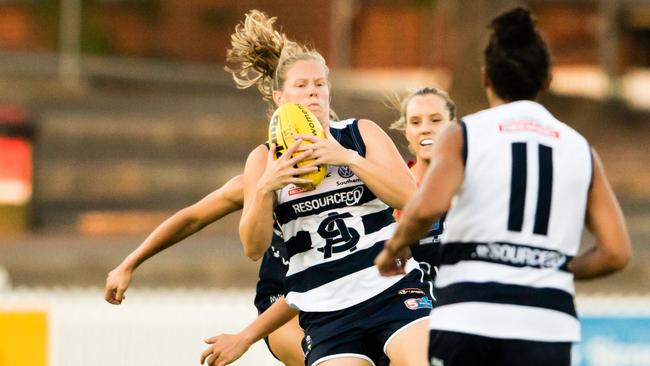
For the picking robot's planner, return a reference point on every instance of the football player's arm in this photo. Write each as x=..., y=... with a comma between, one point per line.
x=612, y=249
x=262, y=177
x=439, y=184
x=383, y=169
x=223, y=201
x=227, y=348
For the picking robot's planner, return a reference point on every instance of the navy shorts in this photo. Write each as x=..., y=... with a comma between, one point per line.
x=270, y=286
x=461, y=349
x=363, y=330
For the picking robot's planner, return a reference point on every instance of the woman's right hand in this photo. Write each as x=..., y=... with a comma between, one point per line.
x=284, y=171
x=117, y=282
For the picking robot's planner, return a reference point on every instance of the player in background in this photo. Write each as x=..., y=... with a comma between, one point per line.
x=523, y=185
x=422, y=114
x=351, y=316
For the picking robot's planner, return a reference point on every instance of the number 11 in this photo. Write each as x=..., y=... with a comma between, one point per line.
x=518, y=188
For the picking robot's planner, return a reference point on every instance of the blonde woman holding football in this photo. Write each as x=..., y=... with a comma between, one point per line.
x=350, y=314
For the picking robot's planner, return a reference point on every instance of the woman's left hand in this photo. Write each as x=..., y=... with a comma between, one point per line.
x=327, y=150
x=224, y=349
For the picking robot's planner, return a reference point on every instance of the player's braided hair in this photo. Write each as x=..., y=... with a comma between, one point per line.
x=516, y=57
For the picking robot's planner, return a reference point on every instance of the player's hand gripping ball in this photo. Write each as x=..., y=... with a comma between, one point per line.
x=292, y=119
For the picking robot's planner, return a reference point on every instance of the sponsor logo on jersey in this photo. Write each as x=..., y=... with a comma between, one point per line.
x=421, y=303
x=350, y=198
x=435, y=361
x=410, y=291
x=345, y=171
x=528, y=126
x=347, y=181
x=297, y=190
x=518, y=255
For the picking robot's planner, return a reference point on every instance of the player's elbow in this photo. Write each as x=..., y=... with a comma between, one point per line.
x=616, y=258
x=252, y=249
x=620, y=259
x=254, y=255
x=426, y=213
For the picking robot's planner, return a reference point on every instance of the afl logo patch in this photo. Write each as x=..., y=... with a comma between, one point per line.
x=421, y=303
x=345, y=172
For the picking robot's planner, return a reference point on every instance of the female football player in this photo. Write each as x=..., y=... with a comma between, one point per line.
x=350, y=314
x=523, y=185
x=422, y=114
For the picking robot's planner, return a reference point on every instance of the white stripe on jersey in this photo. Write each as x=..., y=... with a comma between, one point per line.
x=350, y=290
x=480, y=272
x=299, y=263
x=339, y=125
x=506, y=322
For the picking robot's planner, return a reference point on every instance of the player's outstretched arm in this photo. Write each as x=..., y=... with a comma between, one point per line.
x=227, y=348
x=223, y=201
x=604, y=218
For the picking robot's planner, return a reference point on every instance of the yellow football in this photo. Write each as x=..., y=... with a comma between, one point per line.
x=292, y=119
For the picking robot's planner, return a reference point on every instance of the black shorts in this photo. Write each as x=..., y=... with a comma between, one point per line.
x=364, y=330
x=270, y=286
x=461, y=349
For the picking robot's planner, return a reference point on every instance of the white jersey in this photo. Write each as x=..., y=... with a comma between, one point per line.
x=513, y=226
x=333, y=234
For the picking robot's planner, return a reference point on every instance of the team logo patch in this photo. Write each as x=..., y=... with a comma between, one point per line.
x=421, y=303
x=338, y=236
x=345, y=172
x=410, y=291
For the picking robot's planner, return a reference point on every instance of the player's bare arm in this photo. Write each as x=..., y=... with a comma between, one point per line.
x=262, y=177
x=612, y=250
x=442, y=180
x=223, y=201
x=227, y=348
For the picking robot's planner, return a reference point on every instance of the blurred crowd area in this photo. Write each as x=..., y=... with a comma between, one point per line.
x=131, y=117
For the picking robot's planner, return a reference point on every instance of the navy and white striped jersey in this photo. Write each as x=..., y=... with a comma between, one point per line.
x=333, y=234
x=513, y=226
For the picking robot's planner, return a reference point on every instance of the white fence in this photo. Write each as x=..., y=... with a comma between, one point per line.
x=167, y=327
x=161, y=327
